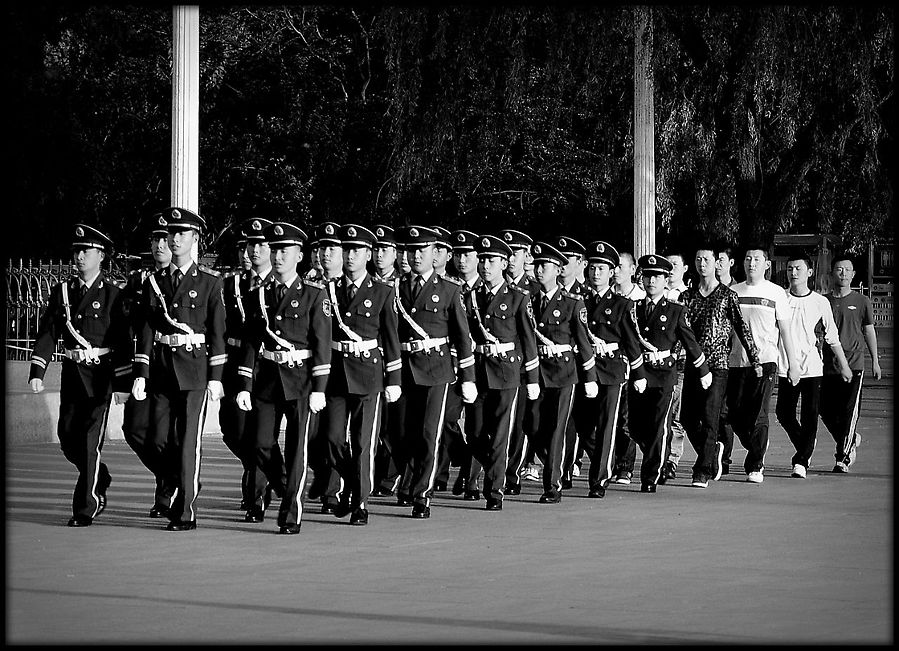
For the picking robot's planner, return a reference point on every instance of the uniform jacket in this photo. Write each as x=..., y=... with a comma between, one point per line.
x=527, y=283
x=99, y=318
x=610, y=317
x=504, y=315
x=371, y=314
x=238, y=290
x=302, y=318
x=438, y=310
x=666, y=326
x=562, y=322
x=199, y=304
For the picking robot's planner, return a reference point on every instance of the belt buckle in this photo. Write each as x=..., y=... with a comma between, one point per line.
x=416, y=346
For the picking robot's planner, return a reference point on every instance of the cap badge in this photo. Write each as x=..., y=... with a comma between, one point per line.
x=600, y=248
x=507, y=236
x=279, y=230
x=485, y=242
x=256, y=226
x=79, y=232
x=460, y=237
x=162, y=221
x=652, y=259
x=538, y=249
x=351, y=231
x=176, y=214
x=379, y=232
x=563, y=242
x=329, y=230
x=413, y=232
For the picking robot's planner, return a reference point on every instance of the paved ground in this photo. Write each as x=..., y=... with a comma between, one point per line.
x=787, y=561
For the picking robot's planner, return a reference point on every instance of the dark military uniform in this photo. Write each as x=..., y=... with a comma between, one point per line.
x=180, y=348
x=659, y=331
x=286, y=355
x=92, y=325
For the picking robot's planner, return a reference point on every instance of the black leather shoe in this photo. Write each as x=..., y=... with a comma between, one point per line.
x=359, y=517
x=566, y=484
x=494, y=505
x=80, y=521
x=669, y=471
x=648, y=488
x=460, y=485
x=472, y=496
x=342, y=509
x=290, y=530
x=402, y=500
x=421, y=512
x=182, y=525
x=159, y=512
x=552, y=497
x=328, y=509
x=597, y=492
x=513, y=489
x=381, y=492
x=439, y=486
x=315, y=491
x=255, y=514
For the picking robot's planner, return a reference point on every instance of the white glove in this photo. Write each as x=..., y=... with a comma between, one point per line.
x=591, y=389
x=120, y=397
x=139, y=388
x=640, y=385
x=243, y=400
x=316, y=401
x=469, y=392
x=37, y=385
x=706, y=381
x=533, y=391
x=215, y=389
x=393, y=392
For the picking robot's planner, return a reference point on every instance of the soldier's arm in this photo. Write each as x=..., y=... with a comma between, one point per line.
x=530, y=358
x=460, y=336
x=320, y=340
x=47, y=335
x=586, y=356
x=390, y=341
x=630, y=339
x=144, y=332
x=215, y=330
x=121, y=342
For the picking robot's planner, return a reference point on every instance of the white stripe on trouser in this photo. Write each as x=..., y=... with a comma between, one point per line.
x=513, y=409
x=561, y=459
x=103, y=424
x=373, y=445
x=433, y=472
x=851, y=434
x=197, y=452
x=298, y=497
x=663, y=454
x=349, y=443
x=611, y=458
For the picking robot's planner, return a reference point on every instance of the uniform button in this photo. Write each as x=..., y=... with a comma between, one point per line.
x=367, y=314
x=347, y=314
x=278, y=317
x=174, y=305
x=277, y=332
x=413, y=310
x=488, y=316
x=542, y=325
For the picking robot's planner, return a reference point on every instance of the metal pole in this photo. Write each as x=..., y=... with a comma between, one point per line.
x=644, y=136
x=186, y=108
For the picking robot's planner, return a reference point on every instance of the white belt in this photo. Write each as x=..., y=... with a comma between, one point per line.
x=91, y=356
x=495, y=349
x=231, y=341
x=354, y=347
x=423, y=345
x=656, y=357
x=605, y=350
x=289, y=357
x=553, y=350
x=180, y=340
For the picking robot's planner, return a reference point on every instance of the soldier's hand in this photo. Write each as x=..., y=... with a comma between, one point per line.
x=875, y=366
x=793, y=375
x=243, y=400
x=37, y=384
x=533, y=391
x=120, y=397
x=316, y=401
x=706, y=381
x=591, y=389
x=393, y=393
x=139, y=388
x=469, y=392
x=215, y=389
x=640, y=385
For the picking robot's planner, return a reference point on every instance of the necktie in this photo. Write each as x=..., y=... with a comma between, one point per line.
x=282, y=290
x=543, y=301
x=79, y=293
x=416, y=287
x=649, y=307
x=350, y=291
x=176, y=279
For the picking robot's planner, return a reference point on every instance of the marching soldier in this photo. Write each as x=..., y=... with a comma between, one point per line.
x=365, y=363
x=443, y=249
x=431, y=319
x=660, y=324
x=181, y=348
x=86, y=312
x=566, y=357
x=150, y=449
x=288, y=343
x=619, y=360
x=384, y=253
x=255, y=493
x=504, y=346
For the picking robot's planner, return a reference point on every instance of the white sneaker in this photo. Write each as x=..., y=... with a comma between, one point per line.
x=700, y=483
x=576, y=470
x=841, y=467
x=531, y=473
x=756, y=477
x=623, y=478
x=719, y=455
x=798, y=471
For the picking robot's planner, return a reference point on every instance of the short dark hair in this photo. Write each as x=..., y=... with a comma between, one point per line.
x=755, y=246
x=841, y=258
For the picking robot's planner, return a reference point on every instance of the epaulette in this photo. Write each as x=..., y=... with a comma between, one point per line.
x=207, y=270
x=388, y=281
x=453, y=280
x=520, y=290
x=573, y=295
x=313, y=283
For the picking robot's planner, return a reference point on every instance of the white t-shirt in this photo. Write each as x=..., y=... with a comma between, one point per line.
x=763, y=305
x=811, y=317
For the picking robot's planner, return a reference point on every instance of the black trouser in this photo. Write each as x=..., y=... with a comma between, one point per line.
x=136, y=430
x=650, y=414
x=600, y=444
x=81, y=430
x=325, y=478
x=580, y=430
x=520, y=444
x=840, y=405
x=452, y=442
x=748, y=401
x=236, y=435
x=353, y=422
x=493, y=415
x=183, y=413
x=553, y=419
x=803, y=432
x=390, y=441
x=700, y=411
x=625, y=448
x=287, y=477
x=422, y=428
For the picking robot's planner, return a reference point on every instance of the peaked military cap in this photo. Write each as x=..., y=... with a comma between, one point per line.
x=463, y=241
x=180, y=219
x=283, y=234
x=353, y=236
x=86, y=237
x=253, y=229
x=654, y=264
x=443, y=237
x=325, y=234
x=415, y=236
x=600, y=251
x=570, y=246
x=385, y=236
x=489, y=245
x=546, y=252
x=516, y=239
